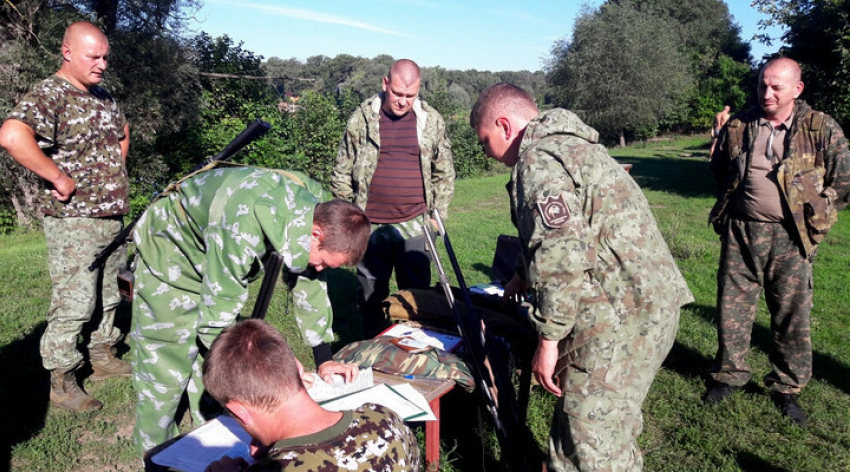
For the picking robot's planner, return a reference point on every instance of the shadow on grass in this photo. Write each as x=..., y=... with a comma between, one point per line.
x=825, y=367
x=25, y=384
x=482, y=268
x=749, y=462
x=24, y=387
x=686, y=177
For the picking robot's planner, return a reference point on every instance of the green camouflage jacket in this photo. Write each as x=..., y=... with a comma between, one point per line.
x=212, y=235
x=369, y=439
x=357, y=156
x=82, y=132
x=815, y=170
x=579, y=214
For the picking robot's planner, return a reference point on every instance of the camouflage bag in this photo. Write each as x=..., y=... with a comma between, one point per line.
x=381, y=354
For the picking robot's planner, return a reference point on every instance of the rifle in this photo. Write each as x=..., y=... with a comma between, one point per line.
x=264, y=297
x=253, y=131
x=489, y=366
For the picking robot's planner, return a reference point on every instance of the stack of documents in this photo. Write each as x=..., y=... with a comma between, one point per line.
x=408, y=404
x=422, y=336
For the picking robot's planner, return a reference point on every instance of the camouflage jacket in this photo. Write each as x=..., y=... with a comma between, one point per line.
x=357, y=155
x=814, y=172
x=370, y=438
x=580, y=215
x=212, y=237
x=81, y=131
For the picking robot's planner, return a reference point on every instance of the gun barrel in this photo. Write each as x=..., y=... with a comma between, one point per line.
x=489, y=369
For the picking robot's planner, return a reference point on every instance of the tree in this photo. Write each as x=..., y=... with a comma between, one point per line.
x=706, y=35
x=818, y=37
x=722, y=85
x=622, y=71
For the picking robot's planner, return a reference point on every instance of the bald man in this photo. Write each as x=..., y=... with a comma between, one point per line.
x=782, y=172
x=71, y=133
x=394, y=162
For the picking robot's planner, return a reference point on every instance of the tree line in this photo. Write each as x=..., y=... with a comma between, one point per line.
x=630, y=68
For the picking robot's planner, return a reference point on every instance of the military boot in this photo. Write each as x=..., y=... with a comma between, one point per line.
x=104, y=363
x=65, y=392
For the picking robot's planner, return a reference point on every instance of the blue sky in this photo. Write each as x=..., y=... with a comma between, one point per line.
x=492, y=35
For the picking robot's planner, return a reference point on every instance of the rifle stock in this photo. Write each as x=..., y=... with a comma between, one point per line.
x=489, y=366
x=253, y=131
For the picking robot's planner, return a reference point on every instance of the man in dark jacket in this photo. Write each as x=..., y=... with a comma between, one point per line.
x=782, y=172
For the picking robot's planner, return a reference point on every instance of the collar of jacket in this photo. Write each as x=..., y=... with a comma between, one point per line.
x=418, y=111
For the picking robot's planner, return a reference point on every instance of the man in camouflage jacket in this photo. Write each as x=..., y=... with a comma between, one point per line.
x=251, y=370
x=782, y=172
x=199, y=247
x=415, y=176
x=605, y=288
x=70, y=132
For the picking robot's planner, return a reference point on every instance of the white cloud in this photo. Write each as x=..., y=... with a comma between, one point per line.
x=311, y=15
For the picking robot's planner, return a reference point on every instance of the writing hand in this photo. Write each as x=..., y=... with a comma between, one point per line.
x=348, y=371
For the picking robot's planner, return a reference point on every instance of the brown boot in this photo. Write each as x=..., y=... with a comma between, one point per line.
x=65, y=392
x=104, y=363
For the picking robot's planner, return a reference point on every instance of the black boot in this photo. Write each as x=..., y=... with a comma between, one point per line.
x=787, y=404
x=720, y=392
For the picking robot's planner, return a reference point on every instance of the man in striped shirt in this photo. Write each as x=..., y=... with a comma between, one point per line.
x=394, y=162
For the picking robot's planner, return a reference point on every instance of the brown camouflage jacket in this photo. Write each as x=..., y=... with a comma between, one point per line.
x=81, y=131
x=357, y=155
x=814, y=172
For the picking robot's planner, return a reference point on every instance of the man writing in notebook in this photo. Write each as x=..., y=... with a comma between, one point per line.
x=251, y=371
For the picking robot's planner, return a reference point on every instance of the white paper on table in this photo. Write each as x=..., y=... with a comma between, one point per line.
x=403, y=399
x=208, y=443
x=446, y=342
x=321, y=390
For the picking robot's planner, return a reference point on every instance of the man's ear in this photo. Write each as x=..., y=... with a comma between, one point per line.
x=798, y=89
x=238, y=410
x=317, y=233
x=504, y=125
x=66, y=52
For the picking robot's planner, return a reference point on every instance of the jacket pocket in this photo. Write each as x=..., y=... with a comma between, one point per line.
x=819, y=209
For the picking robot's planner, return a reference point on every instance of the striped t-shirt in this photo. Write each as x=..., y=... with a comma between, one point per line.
x=397, y=191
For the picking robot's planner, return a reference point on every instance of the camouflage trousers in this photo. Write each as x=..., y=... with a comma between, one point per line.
x=598, y=418
x=758, y=256
x=400, y=247
x=165, y=356
x=72, y=244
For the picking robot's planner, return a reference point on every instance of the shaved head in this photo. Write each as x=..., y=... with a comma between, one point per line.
x=502, y=100
x=81, y=30
x=786, y=66
x=405, y=70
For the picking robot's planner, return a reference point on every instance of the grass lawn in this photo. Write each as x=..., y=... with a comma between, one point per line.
x=745, y=433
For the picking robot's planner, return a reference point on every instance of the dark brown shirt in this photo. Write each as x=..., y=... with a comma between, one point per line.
x=397, y=191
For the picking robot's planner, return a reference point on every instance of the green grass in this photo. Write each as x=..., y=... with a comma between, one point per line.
x=745, y=433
